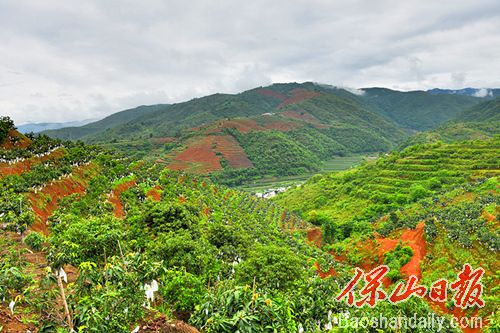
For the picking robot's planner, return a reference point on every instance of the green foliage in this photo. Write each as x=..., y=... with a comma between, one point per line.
x=108, y=299
x=171, y=217
x=397, y=258
x=229, y=308
x=13, y=276
x=34, y=240
x=182, y=250
x=418, y=110
x=274, y=153
x=271, y=267
x=6, y=125
x=182, y=290
x=79, y=240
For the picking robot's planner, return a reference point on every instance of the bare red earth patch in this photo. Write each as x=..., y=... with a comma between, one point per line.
x=163, y=140
x=15, y=140
x=115, y=197
x=44, y=202
x=231, y=151
x=21, y=167
x=299, y=95
x=241, y=125
x=271, y=93
x=153, y=193
x=198, y=157
x=315, y=236
x=412, y=238
x=203, y=155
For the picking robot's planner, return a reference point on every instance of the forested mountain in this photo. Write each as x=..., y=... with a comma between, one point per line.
x=486, y=93
x=417, y=110
x=279, y=130
x=284, y=129
x=481, y=121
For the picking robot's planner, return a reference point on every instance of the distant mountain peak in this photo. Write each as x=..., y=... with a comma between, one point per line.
x=474, y=92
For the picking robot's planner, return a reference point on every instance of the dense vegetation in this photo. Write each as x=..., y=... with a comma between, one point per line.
x=6, y=125
x=451, y=188
x=101, y=242
x=304, y=124
x=223, y=260
x=417, y=110
x=482, y=121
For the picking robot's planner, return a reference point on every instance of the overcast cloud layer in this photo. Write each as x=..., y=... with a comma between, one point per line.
x=74, y=60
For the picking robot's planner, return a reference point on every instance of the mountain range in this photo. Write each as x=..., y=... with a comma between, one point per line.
x=278, y=130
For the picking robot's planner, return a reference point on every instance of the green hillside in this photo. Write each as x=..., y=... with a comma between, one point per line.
x=103, y=125
x=488, y=111
x=417, y=110
x=124, y=231
x=479, y=122
x=283, y=129
x=395, y=180
x=441, y=200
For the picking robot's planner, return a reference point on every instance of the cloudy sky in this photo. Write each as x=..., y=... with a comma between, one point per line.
x=73, y=60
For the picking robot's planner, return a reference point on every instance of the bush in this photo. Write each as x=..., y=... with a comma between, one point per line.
x=229, y=308
x=182, y=290
x=271, y=266
x=396, y=259
x=170, y=217
x=34, y=240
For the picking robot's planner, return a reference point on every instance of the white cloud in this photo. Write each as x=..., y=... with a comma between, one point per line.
x=483, y=92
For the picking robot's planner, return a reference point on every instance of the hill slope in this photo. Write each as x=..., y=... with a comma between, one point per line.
x=440, y=200
x=481, y=121
x=284, y=129
x=112, y=121
x=417, y=110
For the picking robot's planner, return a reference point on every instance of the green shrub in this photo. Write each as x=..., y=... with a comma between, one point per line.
x=229, y=308
x=182, y=290
x=396, y=259
x=272, y=267
x=34, y=240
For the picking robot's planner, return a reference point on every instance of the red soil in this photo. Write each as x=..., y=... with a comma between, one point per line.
x=45, y=201
x=160, y=324
x=247, y=125
x=26, y=165
x=204, y=154
x=315, y=236
x=457, y=313
x=271, y=93
x=299, y=95
x=323, y=275
x=153, y=193
x=304, y=116
x=115, y=197
x=241, y=125
x=198, y=157
x=231, y=151
x=412, y=238
x=280, y=125
x=10, y=142
x=490, y=218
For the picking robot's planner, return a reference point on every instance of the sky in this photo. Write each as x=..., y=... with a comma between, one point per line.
x=65, y=60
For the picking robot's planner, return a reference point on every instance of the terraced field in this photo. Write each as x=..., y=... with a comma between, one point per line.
x=205, y=154
x=397, y=179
